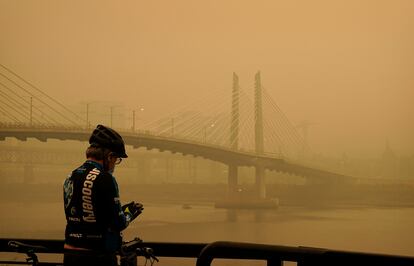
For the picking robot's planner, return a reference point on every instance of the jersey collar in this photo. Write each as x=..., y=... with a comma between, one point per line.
x=96, y=164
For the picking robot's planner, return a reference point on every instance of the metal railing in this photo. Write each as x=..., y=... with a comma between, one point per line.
x=274, y=255
x=304, y=256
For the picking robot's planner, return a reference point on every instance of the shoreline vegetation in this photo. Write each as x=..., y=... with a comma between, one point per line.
x=312, y=196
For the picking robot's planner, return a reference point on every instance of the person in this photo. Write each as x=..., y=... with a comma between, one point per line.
x=94, y=215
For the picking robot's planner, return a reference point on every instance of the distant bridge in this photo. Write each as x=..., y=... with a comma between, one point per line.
x=175, y=145
x=234, y=136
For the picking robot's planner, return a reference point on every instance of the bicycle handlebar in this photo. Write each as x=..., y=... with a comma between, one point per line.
x=136, y=248
x=25, y=248
x=28, y=249
x=129, y=251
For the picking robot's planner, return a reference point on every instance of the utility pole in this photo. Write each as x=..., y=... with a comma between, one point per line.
x=172, y=127
x=87, y=115
x=31, y=111
x=133, y=120
x=112, y=111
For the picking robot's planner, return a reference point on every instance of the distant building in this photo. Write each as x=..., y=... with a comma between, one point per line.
x=388, y=163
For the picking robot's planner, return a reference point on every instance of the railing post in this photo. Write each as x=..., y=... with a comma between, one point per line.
x=274, y=262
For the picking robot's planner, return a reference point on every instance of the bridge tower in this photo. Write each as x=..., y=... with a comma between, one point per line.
x=259, y=143
x=234, y=135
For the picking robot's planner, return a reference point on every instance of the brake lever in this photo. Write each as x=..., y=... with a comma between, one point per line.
x=148, y=253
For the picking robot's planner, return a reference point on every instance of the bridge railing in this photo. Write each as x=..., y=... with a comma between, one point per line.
x=21, y=125
x=123, y=131
x=204, y=253
x=152, y=134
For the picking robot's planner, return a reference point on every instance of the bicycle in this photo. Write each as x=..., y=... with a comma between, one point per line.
x=29, y=250
x=132, y=249
x=128, y=253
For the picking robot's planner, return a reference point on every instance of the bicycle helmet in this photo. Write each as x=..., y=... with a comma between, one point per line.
x=108, y=138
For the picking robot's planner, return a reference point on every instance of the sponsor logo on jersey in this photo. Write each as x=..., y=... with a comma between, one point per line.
x=87, y=207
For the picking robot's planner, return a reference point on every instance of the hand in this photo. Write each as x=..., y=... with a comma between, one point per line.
x=132, y=210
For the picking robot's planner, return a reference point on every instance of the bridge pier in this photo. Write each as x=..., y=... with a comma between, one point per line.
x=168, y=169
x=192, y=169
x=144, y=169
x=232, y=181
x=260, y=182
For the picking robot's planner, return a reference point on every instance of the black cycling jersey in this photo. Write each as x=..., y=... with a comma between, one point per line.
x=93, y=211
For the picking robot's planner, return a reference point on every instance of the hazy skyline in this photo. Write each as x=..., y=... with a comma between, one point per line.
x=344, y=65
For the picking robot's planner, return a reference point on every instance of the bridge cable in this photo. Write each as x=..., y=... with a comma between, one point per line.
x=216, y=118
x=201, y=128
x=277, y=128
x=285, y=144
x=244, y=136
x=212, y=109
x=185, y=108
x=14, y=104
x=40, y=100
x=277, y=123
x=34, y=107
x=186, y=126
x=190, y=130
x=276, y=140
x=26, y=101
x=224, y=137
x=247, y=117
x=19, y=106
x=11, y=99
x=36, y=88
x=221, y=132
x=46, y=116
x=192, y=123
x=14, y=109
x=288, y=127
x=5, y=112
x=297, y=137
x=271, y=138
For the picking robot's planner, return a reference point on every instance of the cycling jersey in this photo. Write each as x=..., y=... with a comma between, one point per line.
x=93, y=211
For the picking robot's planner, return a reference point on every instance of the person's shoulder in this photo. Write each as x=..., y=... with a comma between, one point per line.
x=103, y=175
x=106, y=178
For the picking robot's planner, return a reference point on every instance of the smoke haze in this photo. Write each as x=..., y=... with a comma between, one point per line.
x=344, y=65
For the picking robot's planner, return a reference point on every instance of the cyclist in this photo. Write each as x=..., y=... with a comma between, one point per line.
x=94, y=215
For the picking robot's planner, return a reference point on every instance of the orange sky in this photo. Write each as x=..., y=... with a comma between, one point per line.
x=345, y=65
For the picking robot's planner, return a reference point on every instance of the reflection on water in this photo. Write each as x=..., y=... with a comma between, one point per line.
x=362, y=229
x=257, y=215
x=385, y=230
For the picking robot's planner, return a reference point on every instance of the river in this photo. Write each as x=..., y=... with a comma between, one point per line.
x=367, y=229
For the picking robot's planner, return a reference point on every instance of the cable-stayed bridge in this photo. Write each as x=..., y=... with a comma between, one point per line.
x=237, y=127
